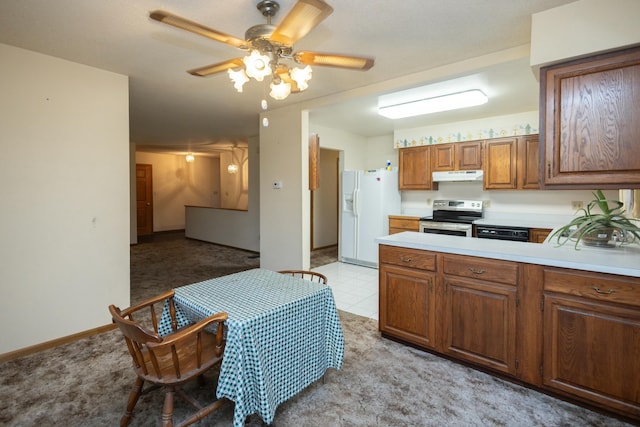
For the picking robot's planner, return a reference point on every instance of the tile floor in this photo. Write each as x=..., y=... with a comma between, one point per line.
x=355, y=288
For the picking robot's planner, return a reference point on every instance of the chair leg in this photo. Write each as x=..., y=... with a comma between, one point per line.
x=131, y=403
x=167, y=409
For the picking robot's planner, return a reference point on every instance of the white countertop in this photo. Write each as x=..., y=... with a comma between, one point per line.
x=622, y=260
x=510, y=219
x=524, y=220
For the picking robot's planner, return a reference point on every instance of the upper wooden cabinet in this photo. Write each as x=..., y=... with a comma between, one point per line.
x=511, y=163
x=528, y=162
x=457, y=156
x=590, y=122
x=415, y=169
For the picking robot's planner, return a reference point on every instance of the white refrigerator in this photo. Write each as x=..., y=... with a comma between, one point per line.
x=368, y=198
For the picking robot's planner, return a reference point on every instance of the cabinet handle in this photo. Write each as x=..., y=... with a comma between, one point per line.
x=600, y=291
x=403, y=259
x=548, y=169
x=476, y=271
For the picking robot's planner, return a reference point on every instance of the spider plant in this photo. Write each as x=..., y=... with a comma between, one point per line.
x=594, y=225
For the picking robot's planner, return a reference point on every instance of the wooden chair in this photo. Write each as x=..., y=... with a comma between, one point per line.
x=306, y=275
x=168, y=361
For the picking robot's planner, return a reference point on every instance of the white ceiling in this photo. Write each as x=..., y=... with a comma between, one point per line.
x=174, y=110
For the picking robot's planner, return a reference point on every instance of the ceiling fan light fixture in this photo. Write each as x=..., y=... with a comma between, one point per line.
x=301, y=76
x=453, y=101
x=239, y=78
x=279, y=91
x=257, y=65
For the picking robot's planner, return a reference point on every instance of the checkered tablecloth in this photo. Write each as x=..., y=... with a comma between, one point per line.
x=283, y=333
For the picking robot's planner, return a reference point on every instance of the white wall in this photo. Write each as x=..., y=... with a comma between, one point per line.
x=177, y=183
x=285, y=213
x=354, y=147
x=234, y=187
x=379, y=150
x=239, y=229
x=583, y=28
x=133, y=218
x=64, y=186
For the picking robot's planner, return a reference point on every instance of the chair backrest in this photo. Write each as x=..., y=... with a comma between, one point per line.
x=306, y=275
x=173, y=358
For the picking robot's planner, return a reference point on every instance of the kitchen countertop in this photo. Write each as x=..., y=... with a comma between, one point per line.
x=511, y=219
x=525, y=220
x=623, y=260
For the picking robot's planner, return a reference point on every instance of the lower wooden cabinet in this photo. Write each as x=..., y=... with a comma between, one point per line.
x=569, y=332
x=407, y=305
x=538, y=235
x=398, y=224
x=480, y=311
x=480, y=323
x=592, y=338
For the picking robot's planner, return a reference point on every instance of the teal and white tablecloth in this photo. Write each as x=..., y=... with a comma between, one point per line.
x=283, y=333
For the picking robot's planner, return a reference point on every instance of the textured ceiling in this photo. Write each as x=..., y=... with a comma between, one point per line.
x=173, y=109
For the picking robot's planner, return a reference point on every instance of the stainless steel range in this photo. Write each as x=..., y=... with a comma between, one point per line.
x=452, y=217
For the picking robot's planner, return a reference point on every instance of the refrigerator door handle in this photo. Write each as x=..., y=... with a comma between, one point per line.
x=356, y=200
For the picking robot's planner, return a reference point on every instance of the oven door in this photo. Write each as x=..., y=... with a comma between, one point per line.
x=449, y=228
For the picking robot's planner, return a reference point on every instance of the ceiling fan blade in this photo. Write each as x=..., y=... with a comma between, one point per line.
x=194, y=27
x=301, y=19
x=216, y=68
x=332, y=60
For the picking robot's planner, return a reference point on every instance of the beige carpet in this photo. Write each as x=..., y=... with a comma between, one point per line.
x=382, y=383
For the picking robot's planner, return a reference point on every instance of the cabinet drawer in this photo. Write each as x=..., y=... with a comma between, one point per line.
x=407, y=257
x=481, y=268
x=598, y=286
x=407, y=224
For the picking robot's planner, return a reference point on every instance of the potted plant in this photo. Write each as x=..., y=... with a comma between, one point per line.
x=595, y=228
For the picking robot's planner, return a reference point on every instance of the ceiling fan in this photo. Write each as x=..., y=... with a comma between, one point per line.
x=270, y=44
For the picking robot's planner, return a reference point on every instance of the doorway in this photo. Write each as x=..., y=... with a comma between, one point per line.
x=144, y=199
x=324, y=204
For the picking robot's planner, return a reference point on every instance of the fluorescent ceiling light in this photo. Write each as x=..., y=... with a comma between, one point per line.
x=452, y=101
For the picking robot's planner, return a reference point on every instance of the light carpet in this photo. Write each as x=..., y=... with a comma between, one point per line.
x=382, y=383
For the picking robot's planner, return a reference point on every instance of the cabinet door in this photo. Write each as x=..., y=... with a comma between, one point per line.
x=407, y=305
x=480, y=323
x=400, y=224
x=528, y=162
x=415, y=169
x=443, y=157
x=469, y=155
x=590, y=119
x=592, y=350
x=500, y=159
x=457, y=156
x=538, y=235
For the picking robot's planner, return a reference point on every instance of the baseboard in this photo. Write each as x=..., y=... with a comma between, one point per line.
x=27, y=351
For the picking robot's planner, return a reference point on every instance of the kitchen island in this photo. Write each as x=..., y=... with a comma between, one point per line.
x=562, y=320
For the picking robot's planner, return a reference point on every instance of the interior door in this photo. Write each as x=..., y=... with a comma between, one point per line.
x=144, y=199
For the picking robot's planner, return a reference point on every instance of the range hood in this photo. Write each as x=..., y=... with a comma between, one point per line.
x=458, y=176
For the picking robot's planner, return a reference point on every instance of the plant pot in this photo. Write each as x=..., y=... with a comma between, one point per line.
x=600, y=237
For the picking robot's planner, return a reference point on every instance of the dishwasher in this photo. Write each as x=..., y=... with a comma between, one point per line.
x=496, y=232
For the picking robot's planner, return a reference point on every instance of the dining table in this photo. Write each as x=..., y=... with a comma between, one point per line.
x=282, y=334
